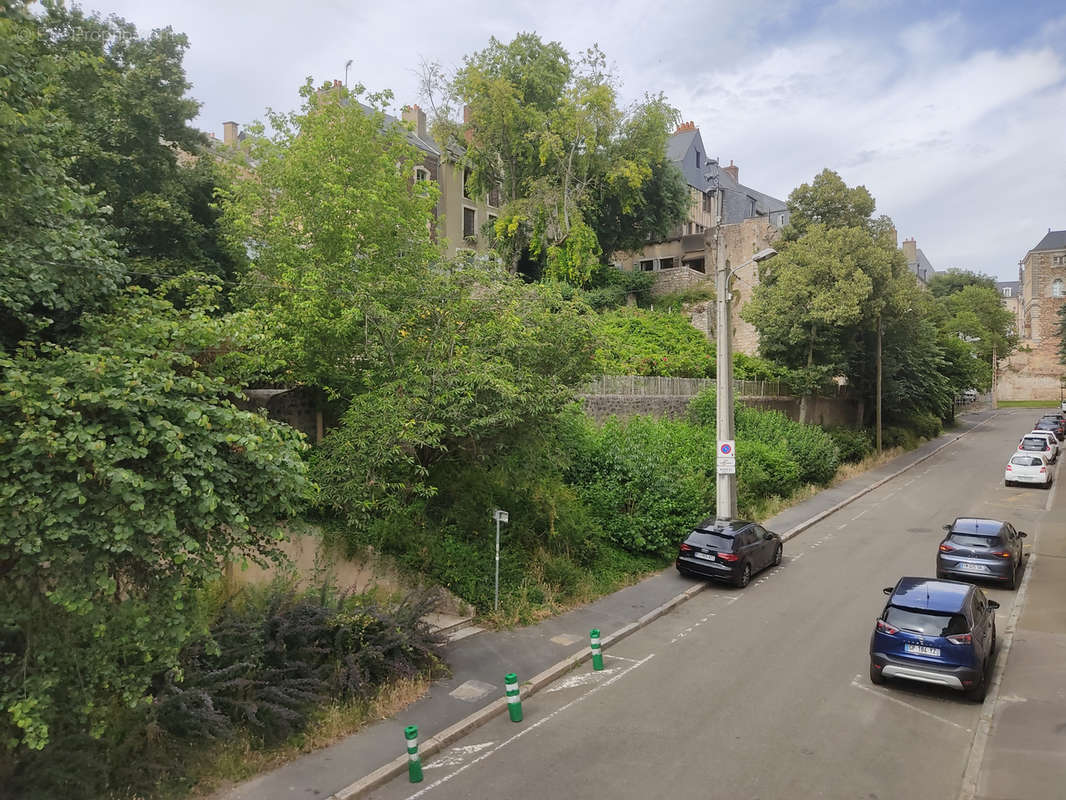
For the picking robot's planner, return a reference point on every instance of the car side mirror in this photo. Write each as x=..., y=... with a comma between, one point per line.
x=768, y=535
x=947, y=527
x=888, y=589
x=1022, y=534
x=993, y=604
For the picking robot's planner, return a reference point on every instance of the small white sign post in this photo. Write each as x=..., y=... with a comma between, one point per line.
x=727, y=457
x=499, y=516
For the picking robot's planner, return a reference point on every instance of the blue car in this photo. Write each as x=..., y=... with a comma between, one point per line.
x=935, y=631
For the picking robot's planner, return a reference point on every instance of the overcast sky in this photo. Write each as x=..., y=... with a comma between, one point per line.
x=952, y=114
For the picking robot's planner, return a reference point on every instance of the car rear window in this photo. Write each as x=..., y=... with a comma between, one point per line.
x=928, y=623
x=1035, y=444
x=1026, y=461
x=712, y=539
x=967, y=540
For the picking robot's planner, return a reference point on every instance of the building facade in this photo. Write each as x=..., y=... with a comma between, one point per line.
x=917, y=262
x=688, y=257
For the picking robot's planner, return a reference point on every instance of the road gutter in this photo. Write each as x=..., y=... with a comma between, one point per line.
x=434, y=744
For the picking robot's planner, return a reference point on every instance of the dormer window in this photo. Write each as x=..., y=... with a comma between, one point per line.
x=697, y=159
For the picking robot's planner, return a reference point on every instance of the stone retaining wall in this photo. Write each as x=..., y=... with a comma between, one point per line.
x=825, y=411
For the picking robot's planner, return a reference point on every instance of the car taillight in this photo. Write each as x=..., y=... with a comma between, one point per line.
x=947, y=548
x=884, y=627
x=1043, y=469
x=1009, y=469
x=728, y=556
x=686, y=548
x=1002, y=554
x=961, y=638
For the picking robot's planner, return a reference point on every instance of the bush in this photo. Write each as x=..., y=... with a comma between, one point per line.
x=853, y=445
x=764, y=471
x=924, y=424
x=897, y=436
x=810, y=447
x=637, y=342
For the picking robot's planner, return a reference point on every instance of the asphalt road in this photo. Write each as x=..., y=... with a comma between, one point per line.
x=764, y=692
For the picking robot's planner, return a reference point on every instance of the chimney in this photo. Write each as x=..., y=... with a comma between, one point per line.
x=229, y=132
x=910, y=250
x=733, y=170
x=417, y=117
x=685, y=126
x=336, y=83
x=467, y=116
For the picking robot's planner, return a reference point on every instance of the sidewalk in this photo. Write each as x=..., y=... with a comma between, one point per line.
x=480, y=662
x=1025, y=755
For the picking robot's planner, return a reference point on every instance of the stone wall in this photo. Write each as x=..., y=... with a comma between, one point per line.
x=1033, y=373
x=826, y=411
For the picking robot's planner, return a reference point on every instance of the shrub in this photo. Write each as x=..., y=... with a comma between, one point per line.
x=764, y=471
x=637, y=342
x=924, y=424
x=810, y=447
x=853, y=445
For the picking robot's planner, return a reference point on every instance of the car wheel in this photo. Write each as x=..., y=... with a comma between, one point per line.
x=1006, y=483
x=876, y=678
x=992, y=649
x=1012, y=582
x=684, y=573
x=745, y=576
x=978, y=692
x=777, y=555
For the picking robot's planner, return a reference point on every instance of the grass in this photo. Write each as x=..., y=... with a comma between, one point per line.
x=218, y=768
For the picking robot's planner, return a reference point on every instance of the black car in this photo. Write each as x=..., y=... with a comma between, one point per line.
x=986, y=549
x=728, y=551
x=1056, y=426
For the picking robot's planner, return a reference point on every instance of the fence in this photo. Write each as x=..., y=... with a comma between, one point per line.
x=650, y=386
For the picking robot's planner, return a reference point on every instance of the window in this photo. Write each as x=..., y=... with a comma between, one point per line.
x=466, y=182
x=1056, y=287
x=1058, y=259
x=421, y=174
x=694, y=263
x=697, y=159
x=1006, y=291
x=666, y=263
x=707, y=202
x=494, y=195
x=647, y=265
x=469, y=223
x=930, y=623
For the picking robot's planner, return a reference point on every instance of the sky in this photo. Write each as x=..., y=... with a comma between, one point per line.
x=952, y=113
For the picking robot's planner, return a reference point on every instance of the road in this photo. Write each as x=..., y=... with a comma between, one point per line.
x=764, y=692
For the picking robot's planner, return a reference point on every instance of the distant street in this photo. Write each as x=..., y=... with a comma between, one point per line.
x=764, y=692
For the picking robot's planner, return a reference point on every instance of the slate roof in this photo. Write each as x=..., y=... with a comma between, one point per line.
x=1014, y=286
x=921, y=267
x=740, y=202
x=1055, y=240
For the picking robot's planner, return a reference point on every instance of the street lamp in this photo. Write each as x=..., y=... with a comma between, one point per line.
x=726, y=480
x=499, y=516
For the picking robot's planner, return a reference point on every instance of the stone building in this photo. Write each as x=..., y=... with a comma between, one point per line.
x=917, y=262
x=1010, y=294
x=1034, y=372
x=687, y=258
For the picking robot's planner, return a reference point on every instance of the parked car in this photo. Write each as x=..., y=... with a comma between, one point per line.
x=730, y=551
x=1052, y=440
x=1055, y=416
x=1053, y=425
x=1028, y=468
x=987, y=549
x=969, y=396
x=1036, y=444
x=938, y=632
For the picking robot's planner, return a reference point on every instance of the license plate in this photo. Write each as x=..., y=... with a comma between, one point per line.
x=921, y=649
x=705, y=556
x=973, y=567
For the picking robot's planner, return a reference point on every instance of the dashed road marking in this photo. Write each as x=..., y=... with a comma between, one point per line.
x=859, y=514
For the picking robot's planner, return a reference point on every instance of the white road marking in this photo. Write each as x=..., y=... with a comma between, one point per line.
x=908, y=483
x=457, y=755
x=859, y=514
x=842, y=527
x=578, y=679
x=732, y=600
x=798, y=556
x=620, y=658
x=897, y=701
x=533, y=727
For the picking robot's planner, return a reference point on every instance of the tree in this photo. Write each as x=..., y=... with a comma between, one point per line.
x=578, y=175
x=130, y=139
x=955, y=280
x=56, y=260
x=976, y=313
x=828, y=201
x=127, y=481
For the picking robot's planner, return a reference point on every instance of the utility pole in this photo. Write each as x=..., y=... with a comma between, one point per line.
x=880, y=332
x=995, y=369
x=726, y=480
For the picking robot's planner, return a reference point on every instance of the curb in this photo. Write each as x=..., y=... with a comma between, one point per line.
x=434, y=744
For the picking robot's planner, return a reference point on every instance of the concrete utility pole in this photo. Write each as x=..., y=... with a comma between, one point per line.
x=995, y=369
x=726, y=478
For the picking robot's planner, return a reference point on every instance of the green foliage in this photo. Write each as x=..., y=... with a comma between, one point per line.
x=128, y=480
x=812, y=449
x=55, y=258
x=954, y=280
x=579, y=177
x=976, y=314
x=852, y=445
x=610, y=288
x=764, y=471
x=638, y=342
x=829, y=202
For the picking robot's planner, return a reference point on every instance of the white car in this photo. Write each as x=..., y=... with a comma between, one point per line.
x=1036, y=444
x=1028, y=468
x=1050, y=438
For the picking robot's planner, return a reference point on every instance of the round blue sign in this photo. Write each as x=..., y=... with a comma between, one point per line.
x=726, y=449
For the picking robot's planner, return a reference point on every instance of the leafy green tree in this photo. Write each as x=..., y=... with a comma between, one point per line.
x=127, y=481
x=130, y=139
x=56, y=260
x=976, y=313
x=830, y=202
x=578, y=175
x=955, y=280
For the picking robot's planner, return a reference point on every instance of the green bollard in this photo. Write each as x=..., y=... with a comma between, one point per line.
x=514, y=701
x=597, y=656
x=414, y=763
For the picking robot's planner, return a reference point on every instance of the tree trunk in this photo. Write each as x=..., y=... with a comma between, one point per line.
x=805, y=400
